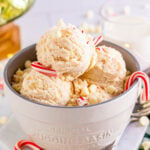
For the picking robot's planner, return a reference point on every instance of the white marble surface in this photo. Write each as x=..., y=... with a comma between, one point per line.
x=44, y=14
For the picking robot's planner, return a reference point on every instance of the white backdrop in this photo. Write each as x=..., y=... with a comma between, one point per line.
x=45, y=13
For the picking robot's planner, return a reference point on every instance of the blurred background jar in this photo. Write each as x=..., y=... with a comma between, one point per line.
x=9, y=40
x=127, y=23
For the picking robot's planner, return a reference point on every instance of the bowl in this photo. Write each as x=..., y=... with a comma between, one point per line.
x=92, y=127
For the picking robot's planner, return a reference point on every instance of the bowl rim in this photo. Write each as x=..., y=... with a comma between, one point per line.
x=74, y=107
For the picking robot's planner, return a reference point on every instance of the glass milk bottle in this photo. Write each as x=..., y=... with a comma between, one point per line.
x=127, y=23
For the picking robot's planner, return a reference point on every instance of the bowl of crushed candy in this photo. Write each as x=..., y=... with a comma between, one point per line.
x=90, y=127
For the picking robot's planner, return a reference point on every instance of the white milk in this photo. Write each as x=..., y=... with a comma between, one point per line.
x=130, y=32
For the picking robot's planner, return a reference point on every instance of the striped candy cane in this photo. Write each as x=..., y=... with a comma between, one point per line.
x=145, y=79
x=98, y=40
x=24, y=143
x=82, y=101
x=40, y=68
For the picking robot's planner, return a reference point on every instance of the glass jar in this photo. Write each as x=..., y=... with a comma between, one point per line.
x=9, y=32
x=9, y=40
x=127, y=23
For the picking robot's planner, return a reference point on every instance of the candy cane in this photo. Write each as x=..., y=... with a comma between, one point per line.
x=98, y=40
x=40, y=68
x=82, y=101
x=100, y=49
x=19, y=145
x=144, y=77
x=134, y=75
x=1, y=84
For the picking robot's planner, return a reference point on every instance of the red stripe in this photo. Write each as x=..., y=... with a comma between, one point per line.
x=23, y=143
x=97, y=39
x=37, y=65
x=48, y=74
x=41, y=67
x=100, y=49
x=127, y=84
x=103, y=49
x=37, y=62
x=82, y=101
x=19, y=143
x=31, y=143
x=1, y=84
x=81, y=98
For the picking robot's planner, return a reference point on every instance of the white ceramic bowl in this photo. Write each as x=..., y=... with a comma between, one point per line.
x=91, y=127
